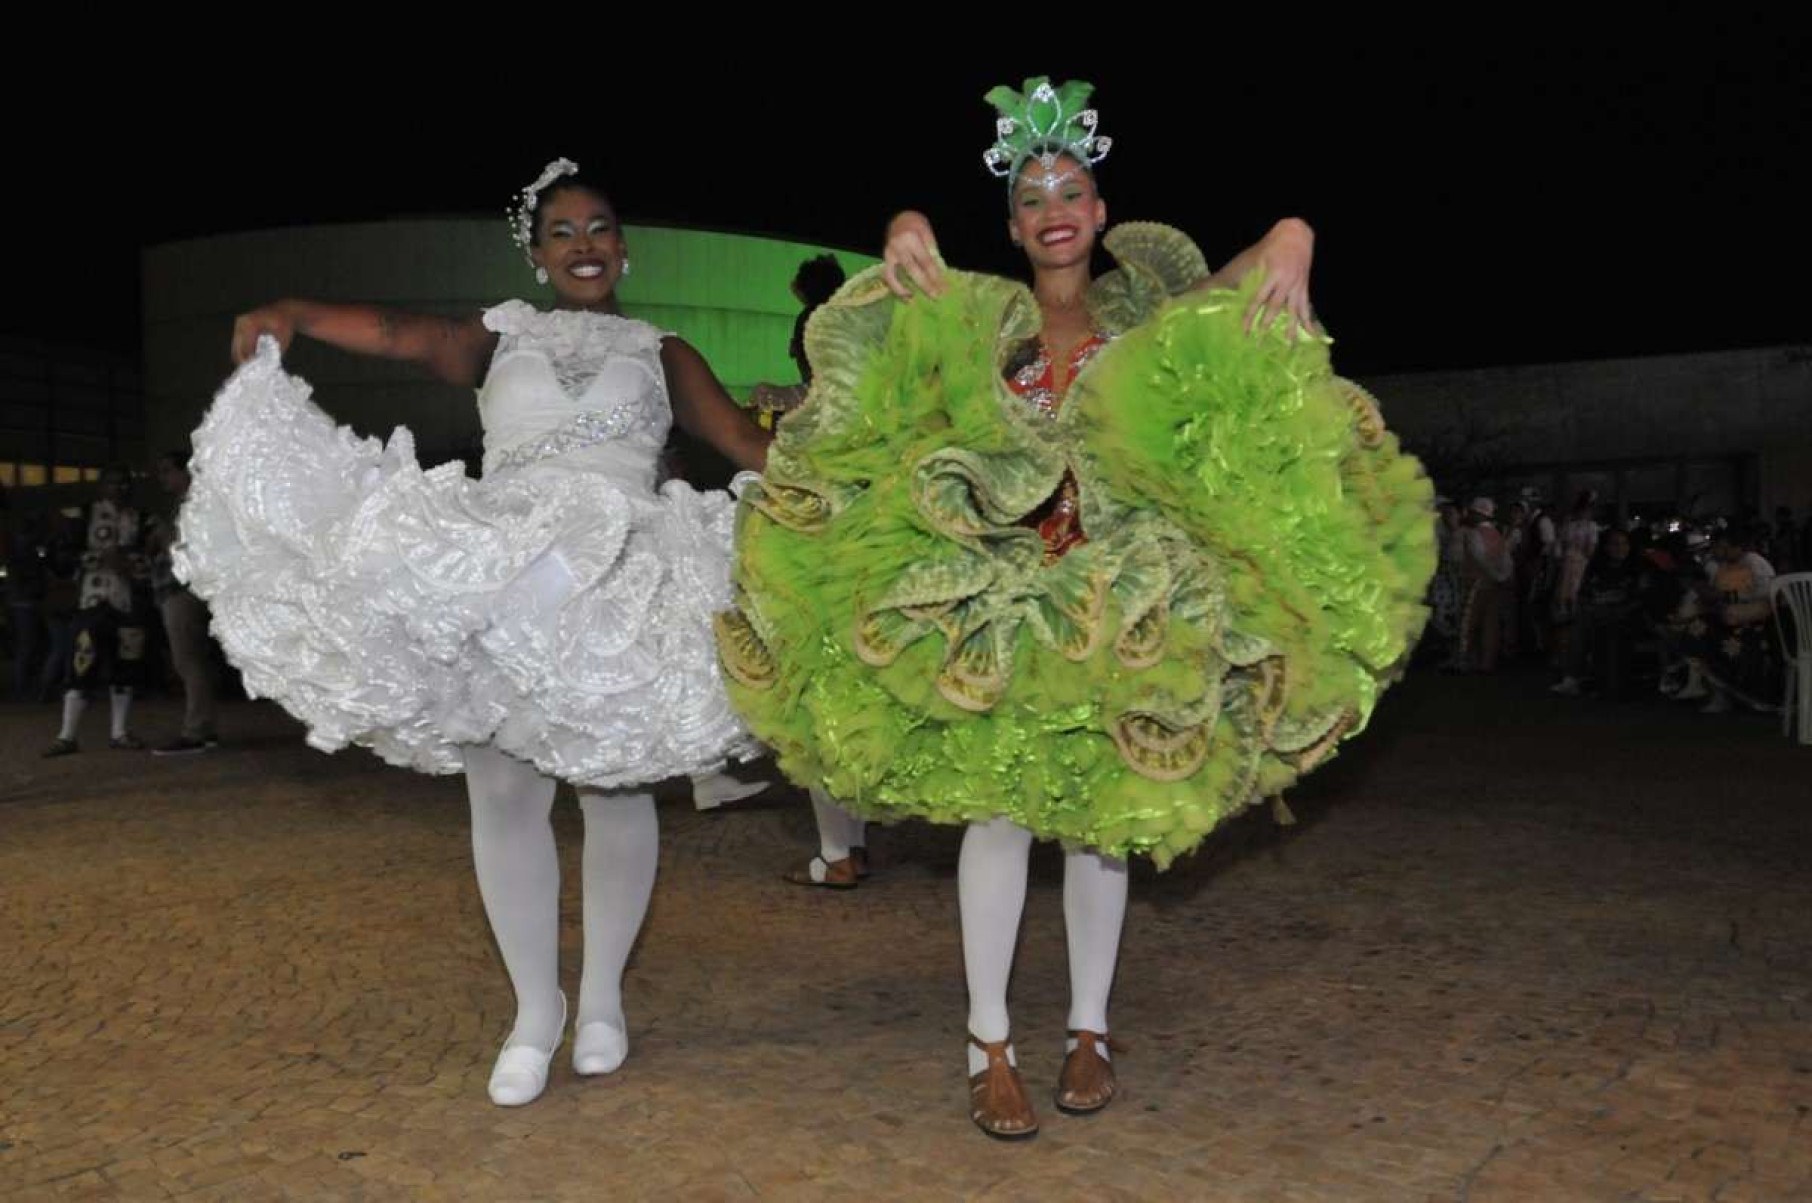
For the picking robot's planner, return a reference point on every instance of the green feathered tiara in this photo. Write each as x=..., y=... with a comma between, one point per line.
x=1042, y=123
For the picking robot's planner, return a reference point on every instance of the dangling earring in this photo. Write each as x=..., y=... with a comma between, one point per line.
x=625, y=265
x=1101, y=227
x=541, y=275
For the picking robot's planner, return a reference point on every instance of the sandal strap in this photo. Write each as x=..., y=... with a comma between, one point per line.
x=995, y=1050
x=1082, y=1036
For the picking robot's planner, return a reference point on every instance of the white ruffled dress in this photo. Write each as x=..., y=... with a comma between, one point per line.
x=559, y=609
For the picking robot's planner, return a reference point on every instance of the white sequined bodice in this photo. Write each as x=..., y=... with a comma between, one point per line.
x=567, y=381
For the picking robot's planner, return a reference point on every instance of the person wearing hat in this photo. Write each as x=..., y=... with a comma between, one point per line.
x=1487, y=571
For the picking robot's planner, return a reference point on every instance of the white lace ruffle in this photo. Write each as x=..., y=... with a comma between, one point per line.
x=579, y=342
x=556, y=612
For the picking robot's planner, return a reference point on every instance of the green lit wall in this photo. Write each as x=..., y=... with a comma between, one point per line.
x=727, y=294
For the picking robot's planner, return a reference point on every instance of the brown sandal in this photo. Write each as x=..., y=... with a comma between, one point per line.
x=1087, y=1083
x=837, y=874
x=997, y=1096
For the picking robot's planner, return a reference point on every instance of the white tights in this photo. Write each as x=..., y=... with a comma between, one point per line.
x=991, y=892
x=519, y=879
x=838, y=830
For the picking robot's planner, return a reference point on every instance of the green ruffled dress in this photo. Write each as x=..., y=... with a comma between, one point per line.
x=1258, y=548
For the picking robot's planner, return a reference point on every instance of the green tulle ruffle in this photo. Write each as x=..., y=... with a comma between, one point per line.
x=1258, y=548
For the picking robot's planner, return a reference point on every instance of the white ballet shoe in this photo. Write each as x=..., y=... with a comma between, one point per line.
x=520, y=1074
x=715, y=789
x=599, y=1048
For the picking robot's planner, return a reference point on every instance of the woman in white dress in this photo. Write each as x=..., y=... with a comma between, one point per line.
x=548, y=623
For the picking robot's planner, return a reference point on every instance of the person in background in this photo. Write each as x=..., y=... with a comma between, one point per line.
x=1539, y=570
x=185, y=624
x=1488, y=572
x=1447, y=592
x=1731, y=651
x=108, y=645
x=1609, y=612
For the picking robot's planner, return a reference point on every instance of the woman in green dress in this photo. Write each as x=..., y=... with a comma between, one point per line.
x=1105, y=560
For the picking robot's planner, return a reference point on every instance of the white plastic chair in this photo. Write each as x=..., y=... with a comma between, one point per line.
x=1794, y=592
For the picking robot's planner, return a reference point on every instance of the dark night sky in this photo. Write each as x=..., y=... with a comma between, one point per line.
x=1495, y=200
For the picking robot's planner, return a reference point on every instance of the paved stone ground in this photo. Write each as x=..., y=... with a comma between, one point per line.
x=1516, y=949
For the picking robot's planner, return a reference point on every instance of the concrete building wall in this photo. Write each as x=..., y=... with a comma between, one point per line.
x=1711, y=422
